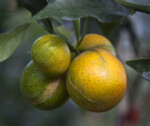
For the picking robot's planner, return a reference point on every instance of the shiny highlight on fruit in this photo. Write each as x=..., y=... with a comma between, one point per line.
x=51, y=54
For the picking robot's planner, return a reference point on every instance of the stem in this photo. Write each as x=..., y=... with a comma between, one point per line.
x=77, y=29
x=85, y=29
x=136, y=7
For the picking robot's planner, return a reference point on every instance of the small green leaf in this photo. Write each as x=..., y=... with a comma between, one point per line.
x=10, y=41
x=142, y=66
x=103, y=10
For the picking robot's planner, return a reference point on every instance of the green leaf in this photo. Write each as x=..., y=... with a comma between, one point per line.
x=10, y=41
x=77, y=29
x=103, y=10
x=34, y=6
x=142, y=66
x=64, y=37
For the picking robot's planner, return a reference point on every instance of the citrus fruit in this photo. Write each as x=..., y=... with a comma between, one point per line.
x=96, y=80
x=96, y=41
x=51, y=54
x=42, y=91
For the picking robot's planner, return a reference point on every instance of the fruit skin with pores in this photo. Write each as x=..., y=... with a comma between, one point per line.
x=42, y=91
x=91, y=41
x=51, y=54
x=96, y=80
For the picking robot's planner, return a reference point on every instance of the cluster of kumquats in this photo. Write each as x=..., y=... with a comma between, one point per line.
x=94, y=79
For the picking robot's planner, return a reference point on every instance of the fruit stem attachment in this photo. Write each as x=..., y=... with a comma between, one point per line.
x=136, y=7
x=85, y=29
x=75, y=51
x=77, y=29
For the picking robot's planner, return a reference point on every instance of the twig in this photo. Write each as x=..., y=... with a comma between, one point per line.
x=136, y=7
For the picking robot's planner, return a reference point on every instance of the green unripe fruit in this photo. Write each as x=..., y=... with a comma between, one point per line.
x=42, y=91
x=34, y=6
x=51, y=54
